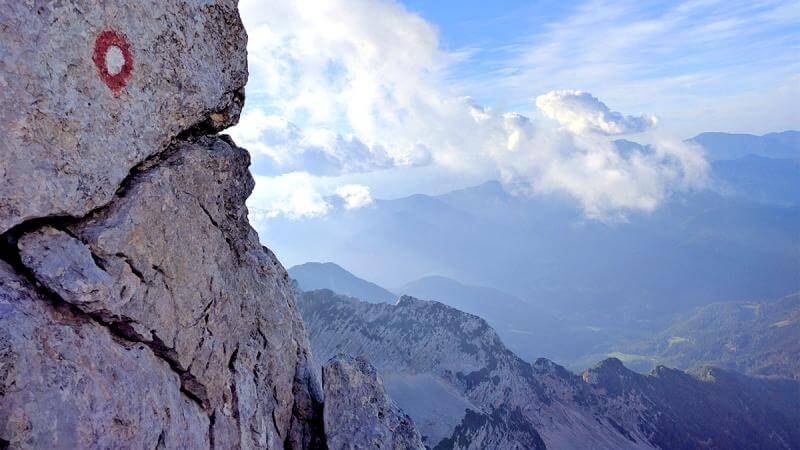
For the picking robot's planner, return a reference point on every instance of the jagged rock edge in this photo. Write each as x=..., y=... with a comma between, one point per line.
x=119, y=329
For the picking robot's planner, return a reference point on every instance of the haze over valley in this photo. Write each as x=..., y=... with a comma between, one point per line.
x=541, y=273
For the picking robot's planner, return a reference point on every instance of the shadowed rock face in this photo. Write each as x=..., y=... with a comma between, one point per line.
x=512, y=404
x=137, y=307
x=69, y=140
x=358, y=413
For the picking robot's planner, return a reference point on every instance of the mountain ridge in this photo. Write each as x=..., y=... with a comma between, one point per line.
x=721, y=145
x=751, y=337
x=608, y=405
x=328, y=275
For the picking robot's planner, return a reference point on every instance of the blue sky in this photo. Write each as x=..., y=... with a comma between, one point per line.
x=743, y=54
x=470, y=23
x=376, y=98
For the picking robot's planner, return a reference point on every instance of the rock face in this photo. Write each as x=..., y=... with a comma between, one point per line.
x=172, y=263
x=137, y=307
x=67, y=381
x=71, y=131
x=358, y=413
x=172, y=269
x=431, y=355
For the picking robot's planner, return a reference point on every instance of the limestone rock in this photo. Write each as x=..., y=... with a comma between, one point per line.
x=173, y=263
x=139, y=309
x=66, y=266
x=358, y=413
x=500, y=428
x=67, y=382
x=71, y=130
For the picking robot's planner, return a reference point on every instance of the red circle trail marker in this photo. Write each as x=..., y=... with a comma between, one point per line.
x=113, y=60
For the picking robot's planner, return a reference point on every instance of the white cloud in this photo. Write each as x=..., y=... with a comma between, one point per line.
x=349, y=66
x=591, y=169
x=347, y=86
x=580, y=112
x=292, y=195
x=700, y=65
x=279, y=146
x=354, y=195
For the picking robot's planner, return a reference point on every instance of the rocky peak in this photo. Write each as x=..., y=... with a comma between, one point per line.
x=501, y=401
x=407, y=300
x=610, y=375
x=358, y=412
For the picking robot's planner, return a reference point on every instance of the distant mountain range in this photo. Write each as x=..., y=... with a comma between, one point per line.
x=722, y=146
x=525, y=328
x=451, y=373
x=759, y=179
x=763, y=169
x=311, y=276
x=737, y=240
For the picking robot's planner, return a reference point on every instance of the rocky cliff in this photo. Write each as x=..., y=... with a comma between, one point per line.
x=359, y=413
x=137, y=307
x=464, y=389
x=170, y=267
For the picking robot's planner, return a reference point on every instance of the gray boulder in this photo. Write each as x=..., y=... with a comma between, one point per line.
x=358, y=413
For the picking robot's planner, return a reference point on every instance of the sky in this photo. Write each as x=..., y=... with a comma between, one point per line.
x=352, y=100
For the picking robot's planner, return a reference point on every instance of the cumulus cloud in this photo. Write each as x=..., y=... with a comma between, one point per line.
x=581, y=112
x=353, y=67
x=604, y=178
x=354, y=195
x=299, y=195
x=354, y=86
x=292, y=195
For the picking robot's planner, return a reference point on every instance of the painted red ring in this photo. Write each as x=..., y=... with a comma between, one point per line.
x=105, y=40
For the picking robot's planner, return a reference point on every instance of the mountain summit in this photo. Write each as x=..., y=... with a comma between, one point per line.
x=311, y=276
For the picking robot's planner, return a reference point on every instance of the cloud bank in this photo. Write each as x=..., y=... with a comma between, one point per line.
x=292, y=195
x=342, y=87
x=279, y=146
